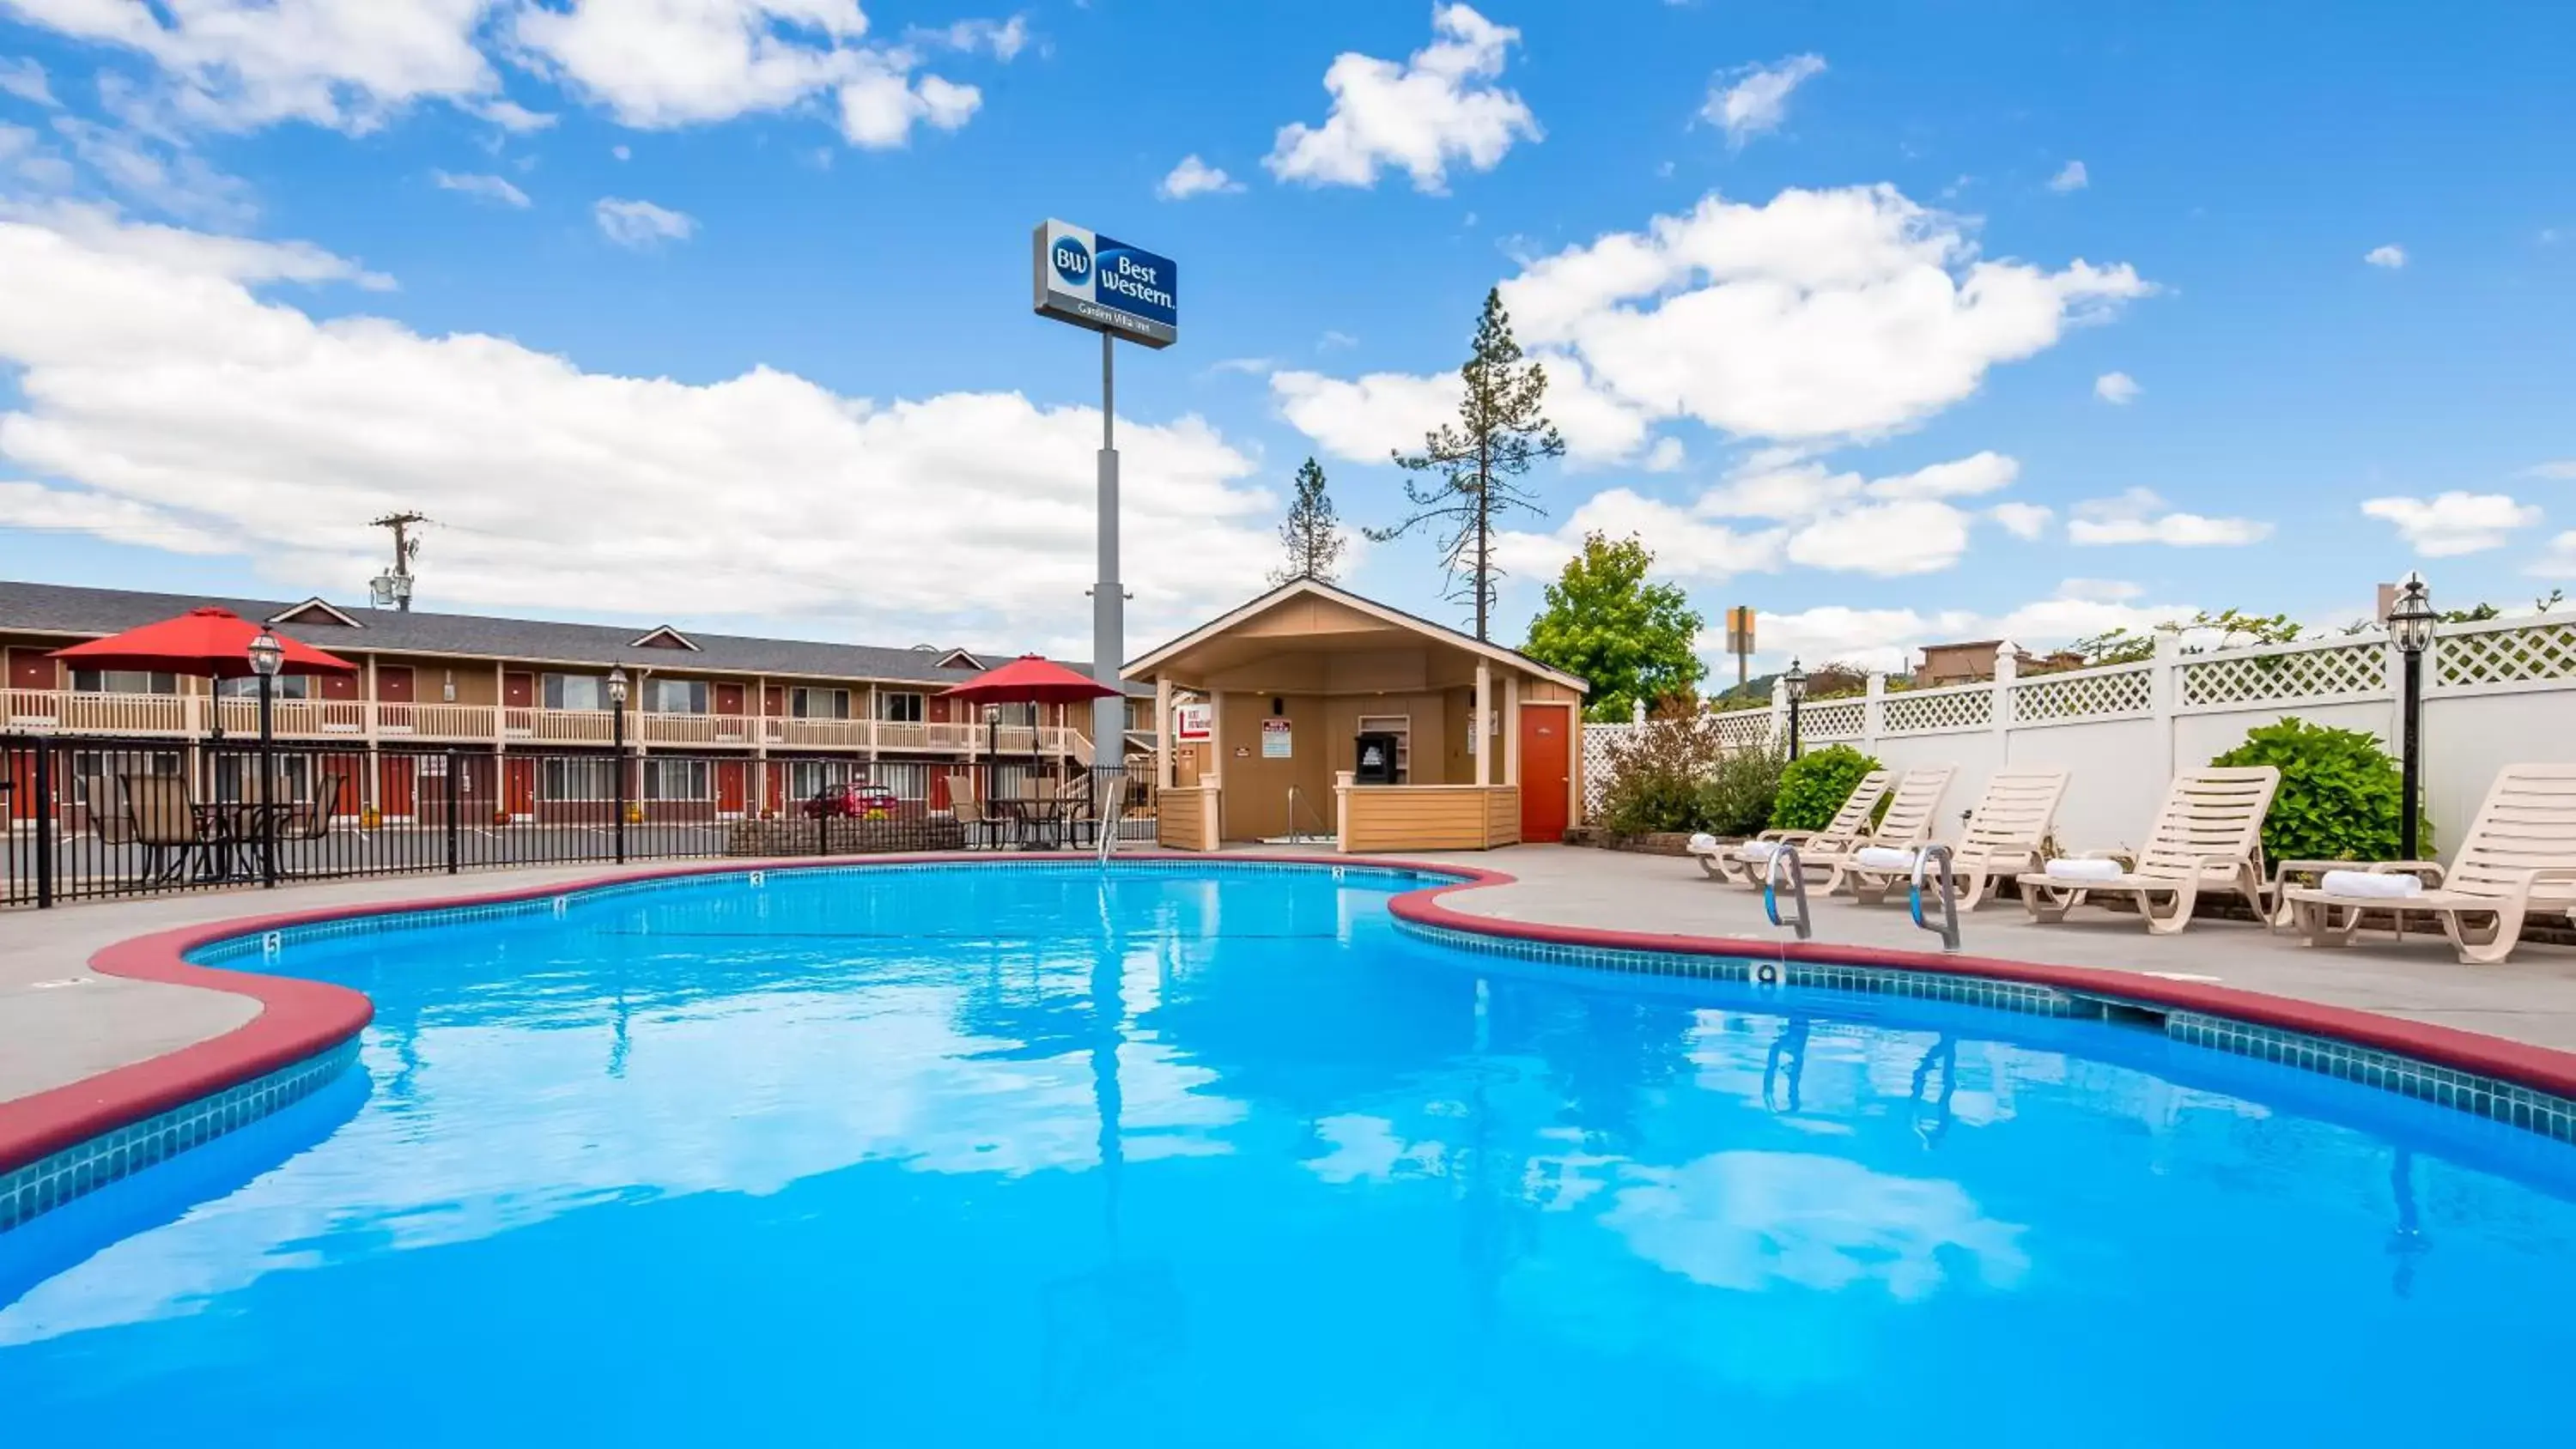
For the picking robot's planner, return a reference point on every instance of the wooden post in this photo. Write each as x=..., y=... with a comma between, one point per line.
x=1481, y=734
x=1511, y=729
x=1163, y=743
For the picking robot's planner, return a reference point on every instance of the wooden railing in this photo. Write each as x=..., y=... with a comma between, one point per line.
x=189, y=715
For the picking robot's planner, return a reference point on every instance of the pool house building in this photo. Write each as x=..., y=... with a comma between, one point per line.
x=1313, y=713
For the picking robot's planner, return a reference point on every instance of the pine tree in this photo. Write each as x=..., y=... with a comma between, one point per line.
x=1312, y=534
x=1479, y=459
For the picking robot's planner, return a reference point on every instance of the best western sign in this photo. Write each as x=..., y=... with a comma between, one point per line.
x=1102, y=283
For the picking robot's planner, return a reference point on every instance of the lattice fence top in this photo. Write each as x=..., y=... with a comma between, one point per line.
x=2344, y=669
x=1598, y=742
x=2506, y=656
x=1742, y=729
x=1839, y=719
x=2089, y=695
x=1915, y=712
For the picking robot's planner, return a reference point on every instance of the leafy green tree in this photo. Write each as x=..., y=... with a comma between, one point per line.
x=1477, y=462
x=1631, y=639
x=1311, y=533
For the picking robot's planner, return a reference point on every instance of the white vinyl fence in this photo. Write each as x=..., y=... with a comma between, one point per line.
x=2497, y=693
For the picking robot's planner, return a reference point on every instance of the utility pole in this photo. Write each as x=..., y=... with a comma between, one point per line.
x=393, y=589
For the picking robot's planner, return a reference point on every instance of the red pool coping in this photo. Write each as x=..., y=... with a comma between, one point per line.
x=298, y=1019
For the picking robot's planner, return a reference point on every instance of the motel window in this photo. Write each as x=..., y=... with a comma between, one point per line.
x=675, y=780
x=818, y=703
x=675, y=696
x=123, y=681
x=573, y=779
x=809, y=778
x=899, y=708
x=288, y=686
x=237, y=777
x=575, y=691
x=1018, y=714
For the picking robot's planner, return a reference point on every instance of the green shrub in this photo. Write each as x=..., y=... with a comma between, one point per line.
x=2339, y=792
x=1656, y=775
x=1737, y=799
x=1815, y=785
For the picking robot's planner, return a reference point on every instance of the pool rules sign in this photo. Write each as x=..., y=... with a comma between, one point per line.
x=1106, y=285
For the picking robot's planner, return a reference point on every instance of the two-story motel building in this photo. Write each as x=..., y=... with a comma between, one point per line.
x=744, y=725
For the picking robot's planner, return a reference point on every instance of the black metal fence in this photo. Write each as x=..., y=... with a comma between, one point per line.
x=88, y=818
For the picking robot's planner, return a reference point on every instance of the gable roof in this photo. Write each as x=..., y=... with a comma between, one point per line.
x=1316, y=588
x=665, y=637
x=315, y=610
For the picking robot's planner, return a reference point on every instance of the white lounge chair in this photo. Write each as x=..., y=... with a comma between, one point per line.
x=1912, y=810
x=2520, y=853
x=1745, y=863
x=2208, y=836
x=2004, y=836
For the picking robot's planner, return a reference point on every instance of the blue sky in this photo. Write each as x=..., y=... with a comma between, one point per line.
x=1926, y=322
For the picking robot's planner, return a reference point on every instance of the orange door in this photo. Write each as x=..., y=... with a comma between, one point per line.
x=1547, y=770
x=519, y=785
x=729, y=784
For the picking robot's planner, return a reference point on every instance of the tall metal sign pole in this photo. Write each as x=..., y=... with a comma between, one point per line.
x=1119, y=291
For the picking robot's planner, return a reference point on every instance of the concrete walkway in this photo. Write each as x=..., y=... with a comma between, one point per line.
x=60, y=1022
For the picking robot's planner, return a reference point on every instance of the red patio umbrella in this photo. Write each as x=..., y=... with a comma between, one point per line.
x=1031, y=678
x=205, y=643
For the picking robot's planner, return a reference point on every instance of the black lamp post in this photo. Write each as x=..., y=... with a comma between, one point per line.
x=267, y=656
x=617, y=744
x=1796, y=681
x=992, y=749
x=2410, y=627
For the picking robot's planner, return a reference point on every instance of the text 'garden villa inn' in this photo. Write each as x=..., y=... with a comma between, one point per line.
x=747, y=726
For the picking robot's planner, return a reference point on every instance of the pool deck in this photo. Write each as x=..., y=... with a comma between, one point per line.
x=62, y=1022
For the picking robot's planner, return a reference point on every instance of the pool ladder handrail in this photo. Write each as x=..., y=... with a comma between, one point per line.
x=1296, y=836
x=1949, y=927
x=1112, y=811
x=1797, y=886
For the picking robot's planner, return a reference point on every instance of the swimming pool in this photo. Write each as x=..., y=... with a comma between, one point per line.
x=1215, y=1155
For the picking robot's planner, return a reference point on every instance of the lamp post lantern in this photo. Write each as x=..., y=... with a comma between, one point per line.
x=1796, y=682
x=617, y=745
x=267, y=656
x=2411, y=621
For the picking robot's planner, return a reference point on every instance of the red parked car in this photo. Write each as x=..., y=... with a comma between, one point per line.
x=857, y=800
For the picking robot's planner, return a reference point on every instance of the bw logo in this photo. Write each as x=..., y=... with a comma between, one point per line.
x=1072, y=261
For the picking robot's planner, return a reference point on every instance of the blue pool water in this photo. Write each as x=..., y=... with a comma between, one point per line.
x=1188, y=1156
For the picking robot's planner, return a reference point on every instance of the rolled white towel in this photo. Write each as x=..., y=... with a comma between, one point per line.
x=1703, y=843
x=2084, y=870
x=2383, y=886
x=1884, y=857
x=1757, y=850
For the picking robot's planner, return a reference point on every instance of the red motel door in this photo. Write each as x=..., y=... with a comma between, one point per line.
x=395, y=787
x=1547, y=770
x=729, y=784
x=519, y=785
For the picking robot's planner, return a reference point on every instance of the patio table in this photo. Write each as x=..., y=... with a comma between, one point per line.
x=1040, y=820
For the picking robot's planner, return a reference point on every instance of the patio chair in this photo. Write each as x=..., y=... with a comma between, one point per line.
x=1745, y=863
x=2519, y=853
x=308, y=820
x=1081, y=809
x=162, y=813
x=107, y=818
x=2208, y=836
x=1911, y=809
x=968, y=808
x=2005, y=835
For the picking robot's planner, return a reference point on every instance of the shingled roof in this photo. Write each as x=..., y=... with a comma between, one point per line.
x=90, y=613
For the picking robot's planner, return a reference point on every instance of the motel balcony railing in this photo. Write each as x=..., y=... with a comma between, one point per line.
x=195, y=716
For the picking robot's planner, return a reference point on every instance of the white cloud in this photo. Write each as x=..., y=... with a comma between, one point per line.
x=163, y=400
x=1366, y=418
x=641, y=224
x=27, y=159
x=25, y=79
x=1665, y=456
x=2563, y=469
x=156, y=172
x=2560, y=561
x=1005, y=39
x=2117, y=388
x=1194, y=177
x=1966, y=477
x=1438, y=107
x=1888, y=639
x=2070, y=177
x=2455, y=522
x=1686, y=544
x=488, y=188
x=2139, y=516
x=2099, y=591
x=1819, y=316
x=1755, y=99
x=2025, y=521
x=240, y=64
x=1909, y=536
x=2391, y=257
x=622, y=153
x=98, y=230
